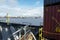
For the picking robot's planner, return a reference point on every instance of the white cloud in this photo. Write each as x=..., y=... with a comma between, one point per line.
x=12, y=3
x=2, y=2
x=13, y=9
x=38, y=11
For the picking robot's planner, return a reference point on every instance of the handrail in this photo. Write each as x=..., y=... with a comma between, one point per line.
x=25, y=33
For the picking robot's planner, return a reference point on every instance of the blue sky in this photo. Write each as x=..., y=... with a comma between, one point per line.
x=21, y=7
x=30, y=2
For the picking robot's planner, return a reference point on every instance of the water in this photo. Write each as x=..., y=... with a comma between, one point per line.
x=29, y=20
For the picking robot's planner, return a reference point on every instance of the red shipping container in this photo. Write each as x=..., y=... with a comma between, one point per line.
x=51, y=27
